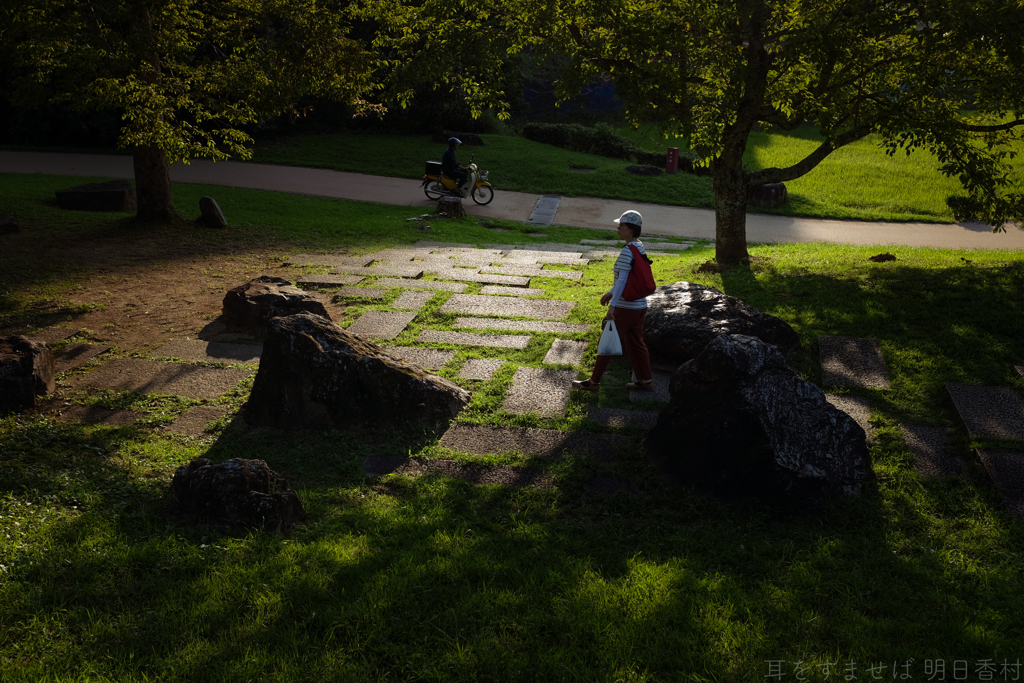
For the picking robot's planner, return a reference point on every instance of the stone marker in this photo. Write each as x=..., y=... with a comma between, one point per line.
x=155, y=377
x=619, y=417
x=533, y=272
x=210, y=352
x=317, y=280
x=76, y=355
x=210, y=214
x=683, y=317
x=505, y=341
x=852, y=362
x=545, y=392
x=743, y=425
x=930, y=446
x=196, y=419
x=1006, y=469
x=485, y=440
x=521, y=325
x=565, y=352
x=475, y=304
x=237, y=492
x=989, y=412
x=421, y=284
x=450, y=207
x=412, y=301
x=432, y=359
x=266, y=297
x=503, y=475
x=26, y=370
x=116, y=195
x=95, y=415
x=662, y=380
x=480, y=368
x=381, y=324
x=359, y=293
x=511, y=291
x=315, y=374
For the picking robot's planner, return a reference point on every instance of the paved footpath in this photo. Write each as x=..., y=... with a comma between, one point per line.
x=583, y=212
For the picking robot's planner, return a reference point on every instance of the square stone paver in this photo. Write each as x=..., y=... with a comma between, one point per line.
x=390, y=271
x=484, y=440
x=76, y=355
x=155, y=377
x=529, y=271
x=602, y=254
x=604, y=243
x=857, y=407
x=990, y=412
x=432, y=359
x=421, y=284
x=660, y=393
x=524, y=256
x=412, y=300
x=1006, y=469
x=511, y=291
x=317, y=280
x=545, y=392
x=565, y=352
x=211, y=352
x=196, y=419
x=476, y=304
x=468, y=275
x=506, y=341
x=481, y=368
x=502, y=475
x=521, y=325
x=381, y=324
x=360, y=293
x=852, y=362
x=443, y=245
x=620, y=417
x=930, y=446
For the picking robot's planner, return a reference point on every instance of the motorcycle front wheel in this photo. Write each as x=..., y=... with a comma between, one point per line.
x=483, y=194
x=434, y=189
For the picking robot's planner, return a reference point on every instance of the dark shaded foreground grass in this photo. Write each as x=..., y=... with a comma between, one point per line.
x=434, y=579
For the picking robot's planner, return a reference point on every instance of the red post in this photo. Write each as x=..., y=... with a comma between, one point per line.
x=672, y=160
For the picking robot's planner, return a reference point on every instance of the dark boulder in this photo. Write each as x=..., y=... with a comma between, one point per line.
x=266, y=297
x=26, y=371
x=683, y=317
x=117, y=195
x=237, y=492
x=767, y=196
x=210, y=214
x=740, y=424
x=315, y=374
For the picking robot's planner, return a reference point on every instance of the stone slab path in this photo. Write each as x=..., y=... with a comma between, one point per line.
x=381, y=324
x=196, y=419
x=360, y=293
x=852, y=362
x=1006, y=469
x=857, y=407
x=484, y=440
x=76, y=355
x=507, y=341
x=529, y=271
x=503, y=475
x=480, y=368
x=521, y=325
x=327, y=260
x=389, y=271
x=511, y=291
x=155, y=377
x=412, y=300
x=95, y=415
x=432, y=359
x=421, y=284
x=661, y=381
x=211, y=352
x=932, y=456
x=989, y=412
x=565, y=352
x=541, y=391
x=476, y=304
x=316, y=280
x=620, y=417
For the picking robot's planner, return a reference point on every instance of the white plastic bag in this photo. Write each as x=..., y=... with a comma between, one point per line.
x=610, y=345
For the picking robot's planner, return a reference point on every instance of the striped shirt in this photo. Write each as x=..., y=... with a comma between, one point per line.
x=623, y=265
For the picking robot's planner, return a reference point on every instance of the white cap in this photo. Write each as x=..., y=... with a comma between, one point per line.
x=631, y=217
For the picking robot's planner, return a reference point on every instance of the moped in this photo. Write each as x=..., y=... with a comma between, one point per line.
x=437, y=185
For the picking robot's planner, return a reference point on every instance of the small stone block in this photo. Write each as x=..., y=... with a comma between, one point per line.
x=857, y=407
x=661, y=381
x=316, y=280
x=620, y=417
x=421, y=284
x=989, y=412
x=1006, y=469
x=154, y=377
x=484, y=440
x=211, y=352
x=565, y=352
x=76, y=355
x=930, y=446
x=505, y=341
x=412, y=301
x=480, y=368
x=381, y=324
x=521, y=325
x=852, y=362
x=545, y=392
x=196, y=419
x=475, y=304
x=432, y=359
x=511, y=291
x=380, y=465
x=502, y=475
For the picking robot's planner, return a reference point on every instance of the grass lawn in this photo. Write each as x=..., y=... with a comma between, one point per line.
x=428, y=578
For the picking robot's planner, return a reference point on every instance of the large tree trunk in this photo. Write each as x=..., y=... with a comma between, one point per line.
x=730, y=186
x=153, y=185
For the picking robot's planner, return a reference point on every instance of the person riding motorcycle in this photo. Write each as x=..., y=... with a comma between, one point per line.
x=451, y=167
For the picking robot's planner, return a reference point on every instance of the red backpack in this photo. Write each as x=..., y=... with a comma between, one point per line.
x=640, y=282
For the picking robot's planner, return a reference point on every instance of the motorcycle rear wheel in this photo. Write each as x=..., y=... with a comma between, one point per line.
x=435, y=189
x=483, y=195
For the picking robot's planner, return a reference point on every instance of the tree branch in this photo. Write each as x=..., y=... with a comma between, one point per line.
x=990, y=129
x=807, y=164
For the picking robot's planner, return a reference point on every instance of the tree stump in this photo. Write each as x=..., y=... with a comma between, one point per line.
x=767, y=196
x=450, y=207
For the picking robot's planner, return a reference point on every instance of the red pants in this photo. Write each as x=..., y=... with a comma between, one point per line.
x=630, y=325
